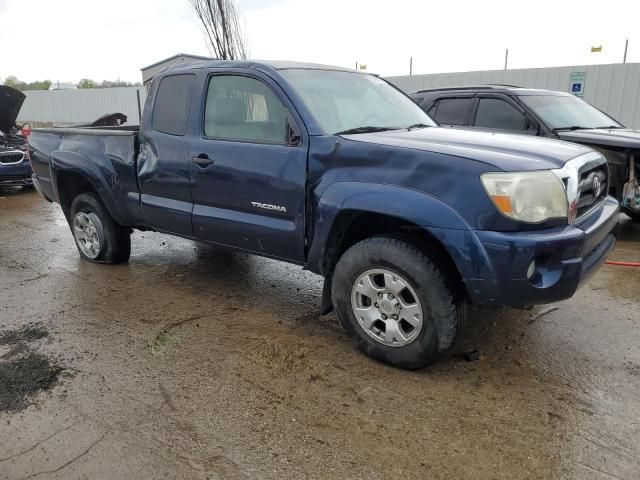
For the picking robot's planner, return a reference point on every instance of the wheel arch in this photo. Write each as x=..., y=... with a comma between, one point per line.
x=353, y=226
x=348, y=213
x=73, y=174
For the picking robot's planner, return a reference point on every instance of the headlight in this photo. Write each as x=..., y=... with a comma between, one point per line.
x=531, y=197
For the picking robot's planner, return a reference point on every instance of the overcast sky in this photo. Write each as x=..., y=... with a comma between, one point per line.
x=66, y=40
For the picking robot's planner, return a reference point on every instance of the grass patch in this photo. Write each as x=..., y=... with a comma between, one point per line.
x=163, y=342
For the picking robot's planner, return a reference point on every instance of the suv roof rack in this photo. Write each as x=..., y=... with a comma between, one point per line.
x=486, y=86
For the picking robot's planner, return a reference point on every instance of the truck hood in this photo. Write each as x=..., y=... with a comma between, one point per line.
x=615, y=137
x=10, y=103
x=507, y=152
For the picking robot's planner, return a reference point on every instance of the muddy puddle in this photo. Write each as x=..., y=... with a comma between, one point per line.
x=24, y=372
x=194, y=363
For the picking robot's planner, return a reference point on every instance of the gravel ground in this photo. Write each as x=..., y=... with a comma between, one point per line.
x=191, y=362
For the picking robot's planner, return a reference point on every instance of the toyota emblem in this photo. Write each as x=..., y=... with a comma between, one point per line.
x=596, y=186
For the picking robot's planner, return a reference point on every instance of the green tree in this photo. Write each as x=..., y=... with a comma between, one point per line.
x=12, y=81
x=117, y=83
x=39, y=85
x=87, y=83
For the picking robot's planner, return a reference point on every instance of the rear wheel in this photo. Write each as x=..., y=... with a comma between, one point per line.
x=394, y=302
x=98, y=237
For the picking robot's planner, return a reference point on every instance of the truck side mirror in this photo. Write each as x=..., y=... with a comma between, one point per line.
x=532, y=127
x=293, y=135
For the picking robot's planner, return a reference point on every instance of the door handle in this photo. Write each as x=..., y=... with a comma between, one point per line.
x=202, y=160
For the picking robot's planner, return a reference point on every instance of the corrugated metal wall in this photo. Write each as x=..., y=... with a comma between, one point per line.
x=151, y=71
x=613, y=88
x=63, y=107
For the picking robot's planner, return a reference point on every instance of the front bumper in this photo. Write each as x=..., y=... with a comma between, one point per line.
x=16, y=174
x=565, y=258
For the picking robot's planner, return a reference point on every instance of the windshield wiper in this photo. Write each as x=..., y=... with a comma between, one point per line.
x=417, y=125
x=610, y=127
x=365, y=129
x=573, y=127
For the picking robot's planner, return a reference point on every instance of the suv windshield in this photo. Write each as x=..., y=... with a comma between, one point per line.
x=567, y=112
x=349, y=102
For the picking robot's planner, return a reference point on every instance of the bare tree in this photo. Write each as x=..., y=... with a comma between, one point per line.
x=224, y=33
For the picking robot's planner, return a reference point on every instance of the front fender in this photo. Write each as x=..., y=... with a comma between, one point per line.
x=425, y=211
x=83, y=165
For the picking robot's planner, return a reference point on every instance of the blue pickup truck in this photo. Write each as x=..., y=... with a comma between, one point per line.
x=340, y=172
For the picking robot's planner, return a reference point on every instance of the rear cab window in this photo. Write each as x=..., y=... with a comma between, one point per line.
x=172, y=104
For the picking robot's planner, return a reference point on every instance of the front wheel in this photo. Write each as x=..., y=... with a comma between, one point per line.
x=98, y=237
x=633, y=214
x=394, y=302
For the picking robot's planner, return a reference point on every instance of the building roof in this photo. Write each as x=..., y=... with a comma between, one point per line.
x=177, y=55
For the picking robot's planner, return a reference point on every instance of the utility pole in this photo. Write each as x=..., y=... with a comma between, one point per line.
x=356, y=65
x=626, y=46
x=506, y=58
x=410, y=66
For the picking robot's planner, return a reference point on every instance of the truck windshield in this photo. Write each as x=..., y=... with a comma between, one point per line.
x=350, y=102
x=567, y=112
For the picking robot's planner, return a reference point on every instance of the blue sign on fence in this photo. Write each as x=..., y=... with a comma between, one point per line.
x=576, y=83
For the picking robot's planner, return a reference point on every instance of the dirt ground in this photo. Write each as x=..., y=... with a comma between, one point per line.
x=190, y=362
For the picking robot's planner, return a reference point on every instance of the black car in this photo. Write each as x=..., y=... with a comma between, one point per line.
x=15, y=168
x=545, y=113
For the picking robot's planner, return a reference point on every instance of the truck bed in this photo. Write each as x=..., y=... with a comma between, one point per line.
x=105, y=156
x=122, y=130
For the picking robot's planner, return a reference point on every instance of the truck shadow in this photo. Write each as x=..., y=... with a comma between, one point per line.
x=6, y=191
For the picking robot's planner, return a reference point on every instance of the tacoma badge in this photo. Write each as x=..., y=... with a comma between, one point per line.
x=267, y=206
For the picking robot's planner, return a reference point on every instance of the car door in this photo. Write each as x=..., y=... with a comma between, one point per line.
x=497, y=112
x=249, y=166
x=163, y=162
x=452, y=111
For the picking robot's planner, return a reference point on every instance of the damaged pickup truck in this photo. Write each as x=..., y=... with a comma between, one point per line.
x=340, y=172
x=15, y=168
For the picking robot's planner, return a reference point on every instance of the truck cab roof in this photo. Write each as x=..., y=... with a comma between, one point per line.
x=262, y=65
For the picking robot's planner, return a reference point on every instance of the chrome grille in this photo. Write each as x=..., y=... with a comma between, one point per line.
x=586, y=180
x=592, y=187
x=11, y=157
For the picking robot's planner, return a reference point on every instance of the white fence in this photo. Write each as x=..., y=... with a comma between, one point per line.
x=614, y=88
x=64, y=107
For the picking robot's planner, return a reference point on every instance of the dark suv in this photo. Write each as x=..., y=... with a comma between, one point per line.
x=545, y=113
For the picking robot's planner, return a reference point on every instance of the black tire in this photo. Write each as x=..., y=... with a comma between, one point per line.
x=443, y=314
x=116, y=239
x=633, y=214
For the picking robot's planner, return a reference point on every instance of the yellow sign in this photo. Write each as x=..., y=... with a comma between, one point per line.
x=363, y=67
x=596, y=49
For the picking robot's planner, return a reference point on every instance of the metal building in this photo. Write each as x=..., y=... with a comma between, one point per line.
x=150, y=71
x=84, y=105
x=613, y=88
